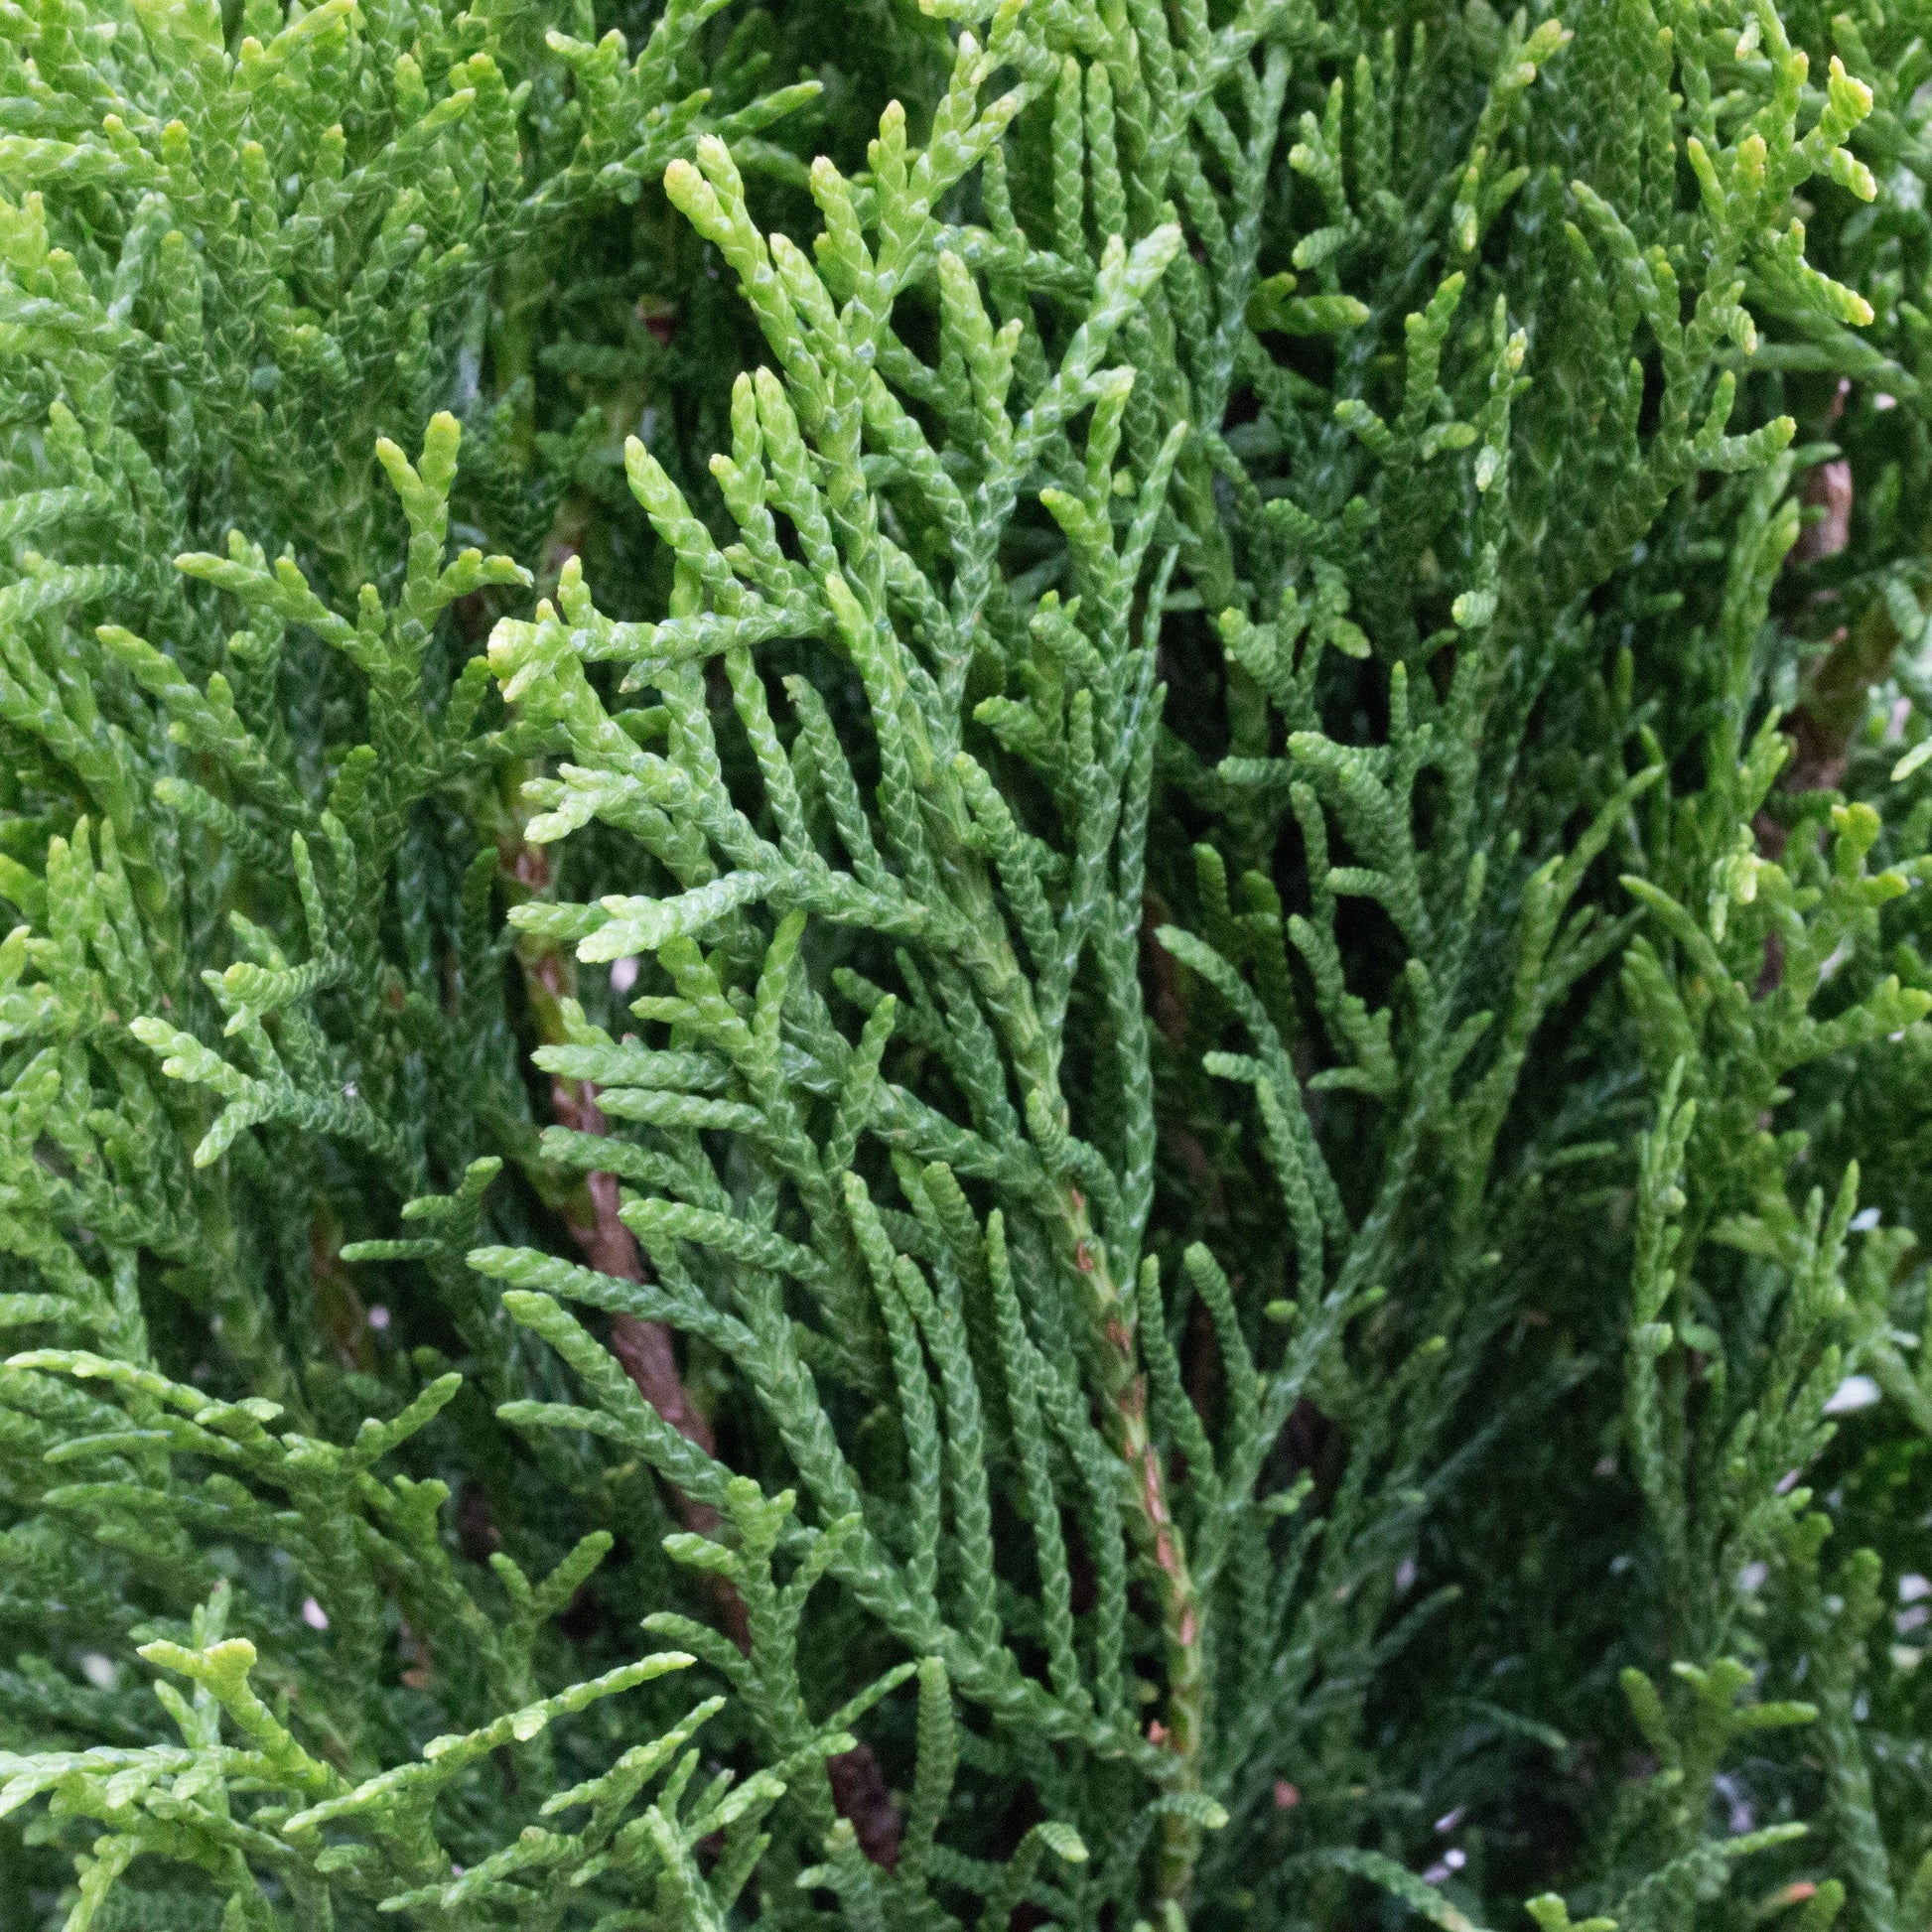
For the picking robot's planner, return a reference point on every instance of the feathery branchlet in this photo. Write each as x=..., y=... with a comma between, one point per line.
x=969, y=968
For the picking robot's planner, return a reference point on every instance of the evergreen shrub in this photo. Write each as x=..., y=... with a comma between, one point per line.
x=968, y=965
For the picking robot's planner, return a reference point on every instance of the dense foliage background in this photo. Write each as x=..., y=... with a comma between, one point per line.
x=968, y=966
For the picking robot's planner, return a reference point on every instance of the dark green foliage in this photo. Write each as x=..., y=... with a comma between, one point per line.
x=970, y=965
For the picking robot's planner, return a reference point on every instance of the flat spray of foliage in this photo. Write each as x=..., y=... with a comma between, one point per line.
x=968, y=967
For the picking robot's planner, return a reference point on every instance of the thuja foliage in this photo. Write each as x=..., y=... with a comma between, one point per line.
x=968, y=966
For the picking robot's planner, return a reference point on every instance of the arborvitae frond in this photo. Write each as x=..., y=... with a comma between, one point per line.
x=969, y=968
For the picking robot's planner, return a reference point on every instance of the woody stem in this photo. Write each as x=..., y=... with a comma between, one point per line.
x=1157, y=1533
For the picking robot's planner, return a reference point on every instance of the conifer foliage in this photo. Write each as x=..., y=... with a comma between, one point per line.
x=967, y=964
